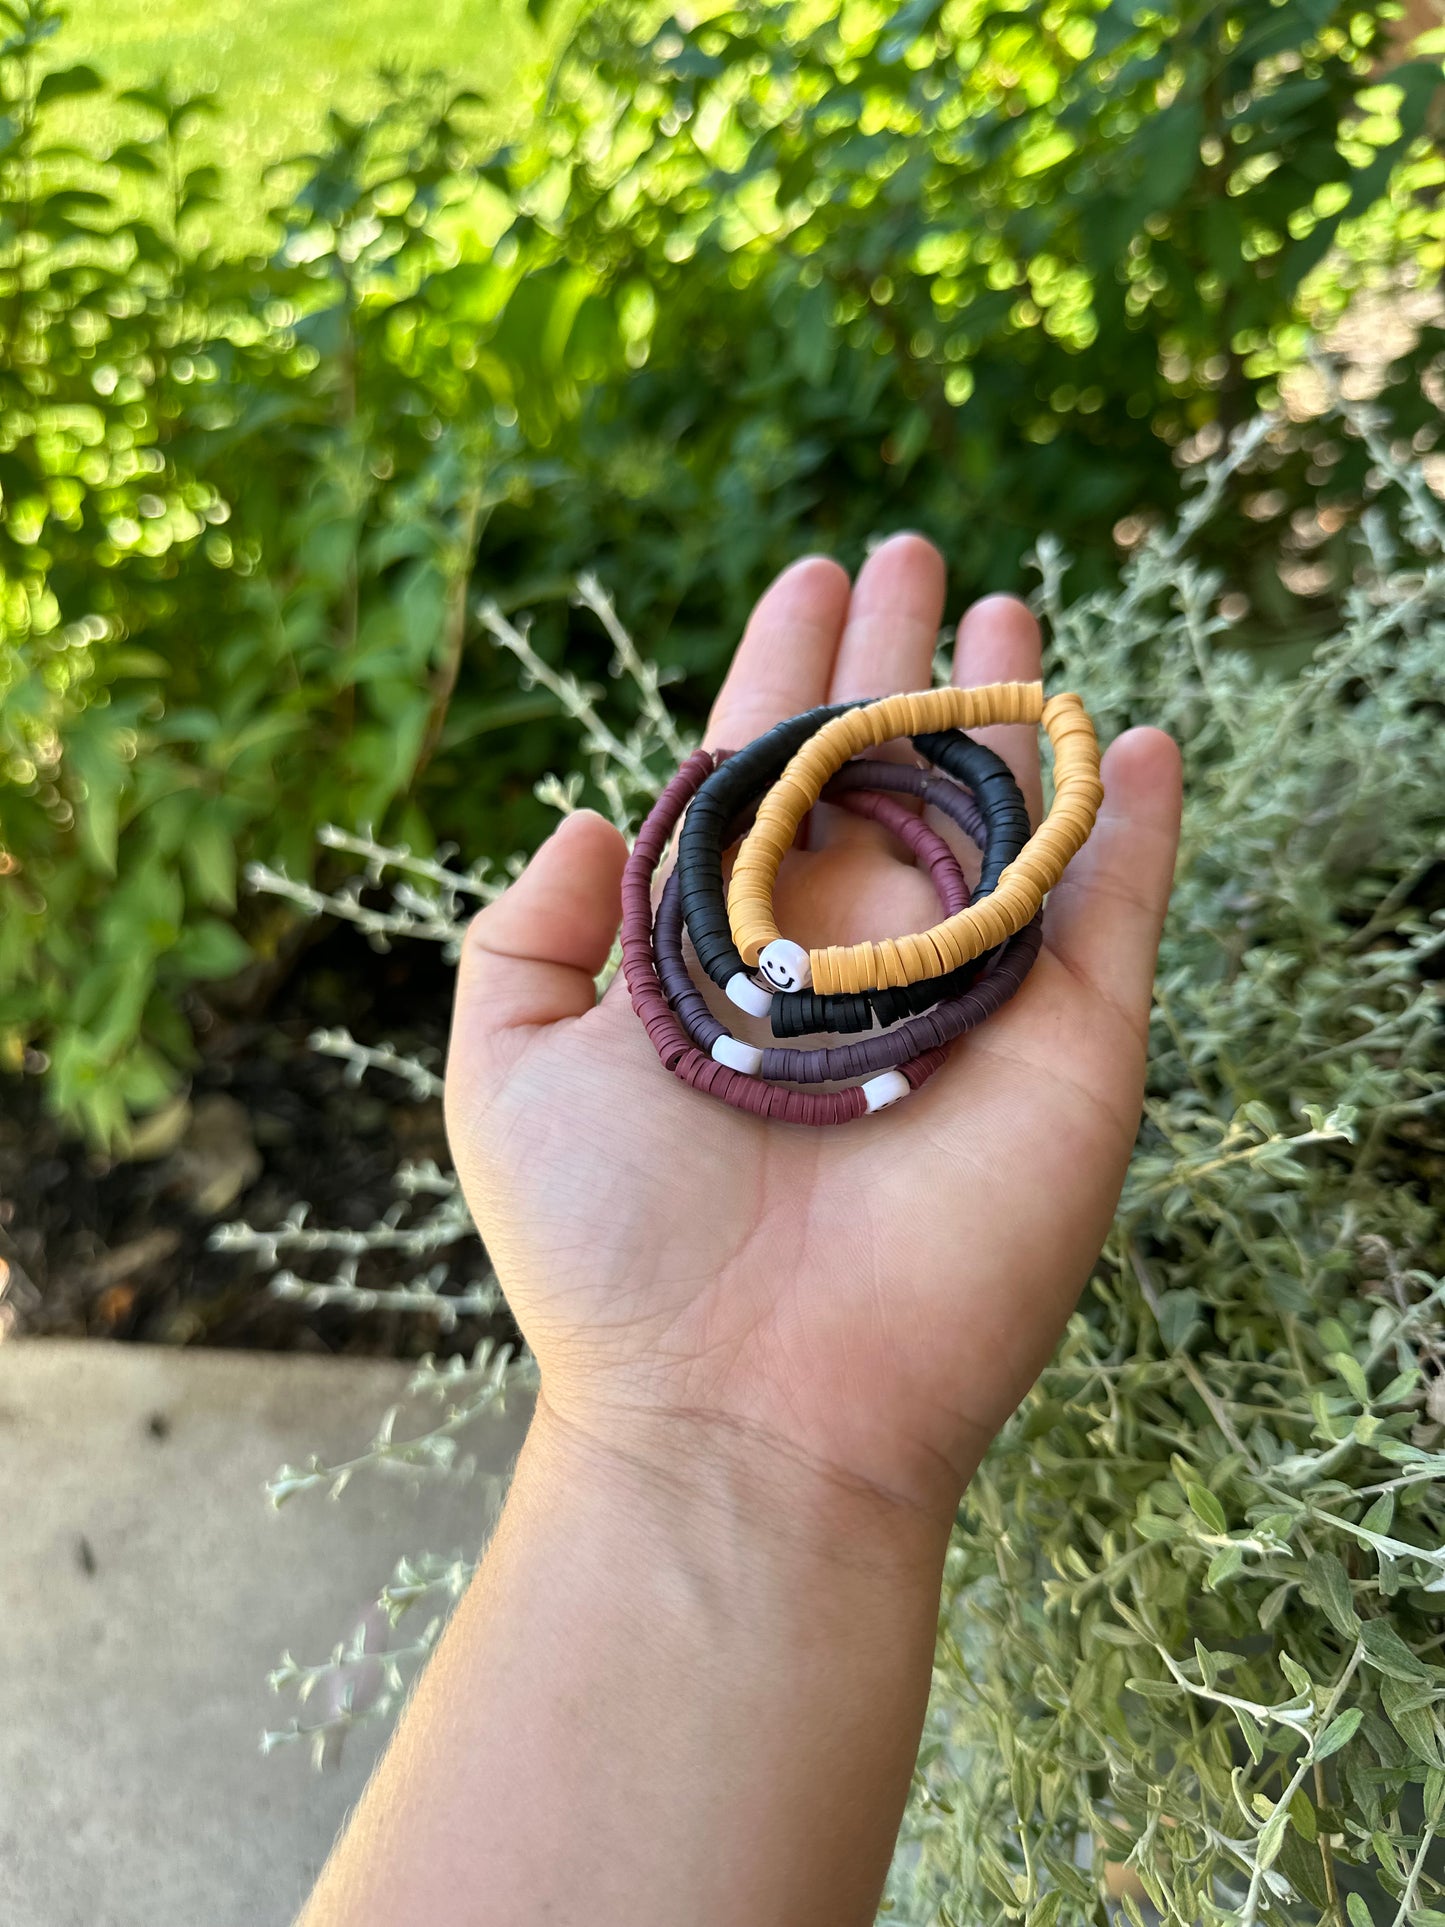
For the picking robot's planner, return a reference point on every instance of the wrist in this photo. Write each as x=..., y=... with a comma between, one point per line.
x=783, y=1510
x=680, y=1622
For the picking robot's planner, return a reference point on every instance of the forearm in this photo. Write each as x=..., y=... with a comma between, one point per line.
x=687, y=1685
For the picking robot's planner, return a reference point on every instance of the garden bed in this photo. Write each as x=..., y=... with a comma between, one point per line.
x=122, y=1248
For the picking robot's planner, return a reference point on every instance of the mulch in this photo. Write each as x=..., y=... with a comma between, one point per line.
x=96, y=1247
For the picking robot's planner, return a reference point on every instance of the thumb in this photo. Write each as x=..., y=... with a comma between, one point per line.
x=531, y=958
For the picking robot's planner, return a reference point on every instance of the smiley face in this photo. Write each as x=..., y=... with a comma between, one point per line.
x=785, y=965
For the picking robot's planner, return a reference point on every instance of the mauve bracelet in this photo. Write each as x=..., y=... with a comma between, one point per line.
x=670, y=1040
x=747, y=774
x=934, y=1029
x=907, y=779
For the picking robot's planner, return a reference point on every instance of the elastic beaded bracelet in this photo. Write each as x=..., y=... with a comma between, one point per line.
x=943, y=793
x=711, y=822
x=858, y=968
x=670, y=1040
x=935, y=1030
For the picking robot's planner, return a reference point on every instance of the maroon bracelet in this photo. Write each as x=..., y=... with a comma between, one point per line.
x=932, y=1029
x=671, y=1041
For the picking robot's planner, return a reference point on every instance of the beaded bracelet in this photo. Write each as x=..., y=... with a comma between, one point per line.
x=894, y=961
x=712, y=820
x=948, y=1020
x=944, y=794
x=670, y=1040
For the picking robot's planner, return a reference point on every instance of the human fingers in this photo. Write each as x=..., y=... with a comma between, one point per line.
x=998, y=641
x=785, y=659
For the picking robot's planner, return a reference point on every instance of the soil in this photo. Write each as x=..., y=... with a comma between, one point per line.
x=100, y=1248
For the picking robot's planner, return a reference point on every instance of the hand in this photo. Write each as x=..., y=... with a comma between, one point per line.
x=871, y=1300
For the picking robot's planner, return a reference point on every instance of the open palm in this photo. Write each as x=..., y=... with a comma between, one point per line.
x=874, y=1298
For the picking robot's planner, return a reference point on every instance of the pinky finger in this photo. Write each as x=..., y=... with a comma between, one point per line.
x=1105, y=917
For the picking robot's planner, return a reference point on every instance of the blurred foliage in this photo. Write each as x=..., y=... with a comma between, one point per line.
x=283, y=64
x=974, y=268
x=780, y=279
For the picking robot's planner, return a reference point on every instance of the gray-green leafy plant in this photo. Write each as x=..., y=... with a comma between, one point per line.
x=1191, y=1651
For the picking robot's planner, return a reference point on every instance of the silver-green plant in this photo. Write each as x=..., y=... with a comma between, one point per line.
x=1191, y=1658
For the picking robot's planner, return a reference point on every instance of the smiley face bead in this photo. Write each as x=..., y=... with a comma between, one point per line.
x=786, y=965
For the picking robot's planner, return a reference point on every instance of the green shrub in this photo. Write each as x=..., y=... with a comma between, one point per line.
x=742, y=288
x=974, y=268
x=238, y=528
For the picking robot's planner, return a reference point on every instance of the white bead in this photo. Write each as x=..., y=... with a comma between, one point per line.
x=886, y=1089
x=738, y=1056
x=748, y=995
x=786, y=965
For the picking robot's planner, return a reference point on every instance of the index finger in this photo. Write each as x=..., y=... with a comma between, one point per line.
x=785, y=660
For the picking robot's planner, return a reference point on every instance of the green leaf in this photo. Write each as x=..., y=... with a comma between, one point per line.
x=1297, y=1675
x=1300, y=1865
x=1349, y=1369
x=210, y=858
x=909, y=440
x=1411, y=1720
x=1340, y=1731
x=1381, y=1515
x=66, y=83
x=1180, y=1317
x=207, y=950
x=1225, y=1564
x=1205, y=1507
x=96, y=759
x=134, y=662
x=1387, y=1653
x=812, y=344
x=1302, y=1816
x=1329, y=1588
x=1359, y=1913
x=1272, y=1836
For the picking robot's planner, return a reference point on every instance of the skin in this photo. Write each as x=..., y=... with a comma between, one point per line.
x=689, y=1680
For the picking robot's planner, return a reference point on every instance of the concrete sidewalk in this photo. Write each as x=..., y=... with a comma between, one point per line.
x=146, y=1588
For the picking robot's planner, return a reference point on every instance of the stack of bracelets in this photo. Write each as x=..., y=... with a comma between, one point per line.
x=913, y=995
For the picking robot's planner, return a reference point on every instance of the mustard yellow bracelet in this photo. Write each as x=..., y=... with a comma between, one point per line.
x=847, y=969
